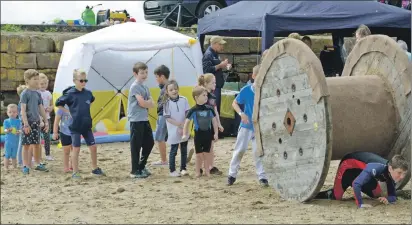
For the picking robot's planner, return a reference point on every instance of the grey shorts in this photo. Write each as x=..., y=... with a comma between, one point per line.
x=161, y=129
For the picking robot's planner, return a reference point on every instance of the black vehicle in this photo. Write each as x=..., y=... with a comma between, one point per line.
x=158, y=10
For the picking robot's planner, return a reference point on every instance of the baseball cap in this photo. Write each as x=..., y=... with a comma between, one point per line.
x=217, y=39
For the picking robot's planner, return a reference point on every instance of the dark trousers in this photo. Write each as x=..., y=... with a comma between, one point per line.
x=183, y=155
x=141, y=137
x=218, y=94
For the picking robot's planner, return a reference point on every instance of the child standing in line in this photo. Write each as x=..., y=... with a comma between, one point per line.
x=20, y=90
x=31, y=108
x=12, y=127
x=141, y=135
x=175, y=109
x=79, y=99
x=206, y=129
x=246, y=133
x=162, y=76
x=48, y=107
x=64, y=118
x=208, y=81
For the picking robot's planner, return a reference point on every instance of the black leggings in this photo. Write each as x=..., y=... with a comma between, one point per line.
x=46, y=138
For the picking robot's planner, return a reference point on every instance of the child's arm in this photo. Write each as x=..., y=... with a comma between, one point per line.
x=24, y=118
x=143, y=103
x=6, y=126
x=185, y=129
x=364, y=177
x=50, y=107
x=215, y=128
x=243, y=116
x=174, y=122
x=43, y=114
x=62, y=101
x=391, y=191
x=218, y=119
x=57, y=119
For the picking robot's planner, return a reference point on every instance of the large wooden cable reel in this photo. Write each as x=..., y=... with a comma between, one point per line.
x=304, y=120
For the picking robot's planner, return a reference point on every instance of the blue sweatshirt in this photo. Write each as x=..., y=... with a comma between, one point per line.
x=79, y=107
x=378, y=171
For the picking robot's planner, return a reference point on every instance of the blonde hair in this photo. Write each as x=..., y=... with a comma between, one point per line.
x=294, y=35
x=197, y=91
x=29, y=74
x=205, y=79
x=78, y=72
x=363, y=31
x=256, y=69
x=20, y=89
x=43, y=76
x=11, y=106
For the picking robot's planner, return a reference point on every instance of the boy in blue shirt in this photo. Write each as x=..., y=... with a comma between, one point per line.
x=79, y=99
x=246, y=133
x=12, y=127
x=362, y=171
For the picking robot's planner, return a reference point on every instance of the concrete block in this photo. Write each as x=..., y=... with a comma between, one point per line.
x=60, y=39
x=8, y=85
x=229, y=57
x=233, y=44
x=245, y=63
x=15, y=75
x=255, y=45
x=19, y=43
x=4, y=43
x=3, y=73
x=41, y=44
x=26, y=61
x=48, y=60
x=8, y=60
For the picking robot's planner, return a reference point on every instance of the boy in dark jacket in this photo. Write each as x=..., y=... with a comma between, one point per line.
x=362, y=171
x=78, y=98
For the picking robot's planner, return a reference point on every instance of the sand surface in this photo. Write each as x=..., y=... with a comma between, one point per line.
x=54, y=198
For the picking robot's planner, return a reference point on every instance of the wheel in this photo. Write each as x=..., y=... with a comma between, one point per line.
x=208, y=7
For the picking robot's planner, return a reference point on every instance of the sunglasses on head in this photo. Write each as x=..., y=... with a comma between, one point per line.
x=83, y=81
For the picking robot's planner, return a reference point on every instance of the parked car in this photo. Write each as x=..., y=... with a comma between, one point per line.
x=158, y=10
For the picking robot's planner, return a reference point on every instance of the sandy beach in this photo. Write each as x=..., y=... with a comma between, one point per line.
x=55, y=198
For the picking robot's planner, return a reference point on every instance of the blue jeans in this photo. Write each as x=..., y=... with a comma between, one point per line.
x=183, y=155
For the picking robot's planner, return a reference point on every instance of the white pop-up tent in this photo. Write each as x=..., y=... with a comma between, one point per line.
x=108, y=56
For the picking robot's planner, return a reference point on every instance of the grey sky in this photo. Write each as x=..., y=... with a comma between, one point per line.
x=35, y=12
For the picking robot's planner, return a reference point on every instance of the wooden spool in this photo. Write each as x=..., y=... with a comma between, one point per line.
x=295, y=106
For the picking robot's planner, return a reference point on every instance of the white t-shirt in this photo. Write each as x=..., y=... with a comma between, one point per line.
x=176, y=110
x=47, y=98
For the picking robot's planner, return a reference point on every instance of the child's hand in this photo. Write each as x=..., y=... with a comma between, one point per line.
x=41, y=124
x=221, y=129
x=46, y=127
x=8, y=130
x=244, y=118
x=55, y=136
x=18, y=132
x=180, y=131
x=383, y=200
x=215, y=137
x=184, y=137
x=27, y=129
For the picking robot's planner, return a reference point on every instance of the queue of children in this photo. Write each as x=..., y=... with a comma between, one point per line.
x=28, y=119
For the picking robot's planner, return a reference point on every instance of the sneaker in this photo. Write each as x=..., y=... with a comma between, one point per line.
x=98, y=171
x=141, y=175
x=49, y=158
x=215, y=171
x=76, y=175
x=145, y=171
x=160, y=164
x=133, y=175
x=41, y=167
x=190, y=155
x=26, y=170
x=230, y=180
x=184, y=173
x=175, y=174
x=264, y=182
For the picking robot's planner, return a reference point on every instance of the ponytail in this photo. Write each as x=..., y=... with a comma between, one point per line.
x=205, y=79
x=201, y=80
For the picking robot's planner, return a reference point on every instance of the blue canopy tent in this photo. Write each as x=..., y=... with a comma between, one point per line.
x=268, y=19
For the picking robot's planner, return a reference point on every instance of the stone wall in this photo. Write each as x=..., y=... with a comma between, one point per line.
x=41, y=51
